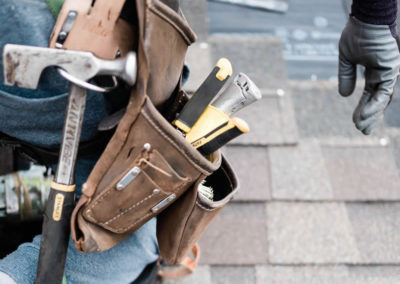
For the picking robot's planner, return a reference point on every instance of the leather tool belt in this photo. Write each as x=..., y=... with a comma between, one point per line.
x=147, y=168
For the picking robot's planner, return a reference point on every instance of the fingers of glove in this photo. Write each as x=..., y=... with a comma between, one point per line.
x=376, y=104
x=368, y=123
x=365, y=98
x=347, y=76
x=372, y=124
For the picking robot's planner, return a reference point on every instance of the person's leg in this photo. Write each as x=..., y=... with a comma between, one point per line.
x=120, y=264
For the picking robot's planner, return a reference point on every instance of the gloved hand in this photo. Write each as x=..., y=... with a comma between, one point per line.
x=374, y=47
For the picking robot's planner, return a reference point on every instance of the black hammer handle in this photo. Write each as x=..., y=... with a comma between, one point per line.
x=55, y=232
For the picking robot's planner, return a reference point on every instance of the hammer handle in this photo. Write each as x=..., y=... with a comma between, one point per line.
x=56, y=222
x=55, y=236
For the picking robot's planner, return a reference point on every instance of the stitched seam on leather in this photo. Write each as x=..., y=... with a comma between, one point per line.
x=127, y=228
x=159, y=130
x=105, y=193
x=127, y=210
x=89, y=213
x=132, y=207
x=148, y=214
x=101, y=198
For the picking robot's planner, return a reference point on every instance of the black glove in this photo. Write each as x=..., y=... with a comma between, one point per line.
x=374, y=47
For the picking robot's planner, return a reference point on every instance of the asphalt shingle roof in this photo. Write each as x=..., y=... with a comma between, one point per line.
x=319, y=202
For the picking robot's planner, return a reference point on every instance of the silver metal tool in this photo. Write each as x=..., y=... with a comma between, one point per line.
x=239, y=94
x=23, y=66
x=215, y=128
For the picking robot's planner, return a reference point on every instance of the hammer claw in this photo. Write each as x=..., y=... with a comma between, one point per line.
x=23, y=65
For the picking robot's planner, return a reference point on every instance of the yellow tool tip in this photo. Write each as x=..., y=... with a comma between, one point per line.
x=241, y=124
x=182, y=126
x=225, y=69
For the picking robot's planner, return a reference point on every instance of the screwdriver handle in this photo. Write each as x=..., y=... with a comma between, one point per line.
x=239, y=127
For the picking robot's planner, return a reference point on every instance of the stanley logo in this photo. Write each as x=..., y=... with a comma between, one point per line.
x=58, y=207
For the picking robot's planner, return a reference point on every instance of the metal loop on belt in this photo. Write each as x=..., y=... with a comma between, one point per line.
x=86, y=85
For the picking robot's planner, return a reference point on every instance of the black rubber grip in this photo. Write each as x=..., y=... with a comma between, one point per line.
x=201, y=98
x=219, y=141
x=55, y=237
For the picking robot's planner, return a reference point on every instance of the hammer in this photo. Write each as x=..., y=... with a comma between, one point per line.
x=23, y=66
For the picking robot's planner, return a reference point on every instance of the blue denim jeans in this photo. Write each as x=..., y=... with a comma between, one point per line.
x=37, y=116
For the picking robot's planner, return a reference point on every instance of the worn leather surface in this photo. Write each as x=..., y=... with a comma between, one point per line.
x=167, y=39
x=181, y=225
x=170, y=166
x=104, y=216
x=97, y=28
x=101, y=31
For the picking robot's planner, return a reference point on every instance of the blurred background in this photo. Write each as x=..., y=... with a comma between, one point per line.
x=319, y=202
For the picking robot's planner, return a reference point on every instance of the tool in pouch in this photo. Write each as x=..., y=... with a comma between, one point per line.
x=23, y=66
x=104, y=216
x=204, y=95
x=214, y=127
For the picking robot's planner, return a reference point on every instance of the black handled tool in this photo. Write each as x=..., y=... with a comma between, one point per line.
x=204, y=95
x=23, y=66
x=214, y=128
x=221, y=135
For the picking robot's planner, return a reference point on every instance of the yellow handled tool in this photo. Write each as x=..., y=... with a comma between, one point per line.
x=204, y=95
x=214, y=129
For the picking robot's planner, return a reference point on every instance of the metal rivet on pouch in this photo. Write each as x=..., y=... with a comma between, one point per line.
x=156, y=191
x=136, y=171
x=128, y=178
x=147, y=146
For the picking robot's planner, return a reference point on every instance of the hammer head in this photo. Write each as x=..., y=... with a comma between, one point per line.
x=23, y=65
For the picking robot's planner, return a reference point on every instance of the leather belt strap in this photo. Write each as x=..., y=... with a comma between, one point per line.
x=97, y=28
x=187, y=266
x=48, y=157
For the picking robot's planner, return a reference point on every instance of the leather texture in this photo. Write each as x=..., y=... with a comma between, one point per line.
x=373, y=47
x=168, y=165
x=183, y=223
x=97, y=28
x=144, y=139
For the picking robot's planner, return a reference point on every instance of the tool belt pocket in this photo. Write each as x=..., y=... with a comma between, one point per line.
x=148, y=165
x=182, y=224
x=143, y=190
x=152, y=168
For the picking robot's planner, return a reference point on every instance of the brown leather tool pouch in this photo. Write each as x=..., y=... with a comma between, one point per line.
x=181, y=225
x=148, y=165
x=145, y=168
